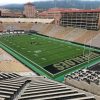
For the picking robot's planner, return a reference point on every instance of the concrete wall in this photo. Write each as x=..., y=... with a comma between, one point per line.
x=92, y=87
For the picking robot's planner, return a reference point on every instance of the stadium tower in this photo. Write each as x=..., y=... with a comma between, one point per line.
x=29, y=10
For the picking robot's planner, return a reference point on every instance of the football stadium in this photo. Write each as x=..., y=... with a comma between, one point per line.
x=49, y=54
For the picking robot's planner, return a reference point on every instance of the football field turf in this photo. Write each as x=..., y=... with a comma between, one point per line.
x=45, y=51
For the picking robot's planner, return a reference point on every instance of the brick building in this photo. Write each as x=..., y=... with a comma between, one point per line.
x=30, y=10
x=9, y=13
x=52, y=13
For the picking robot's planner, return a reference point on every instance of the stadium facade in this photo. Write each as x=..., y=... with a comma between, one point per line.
x=88, y=19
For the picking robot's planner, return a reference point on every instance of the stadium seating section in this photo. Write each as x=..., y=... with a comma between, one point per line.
x=87, y=79
x=9, y=64
x=13, y=86
x=67, y=33
x=86, y=75
x=16, y=87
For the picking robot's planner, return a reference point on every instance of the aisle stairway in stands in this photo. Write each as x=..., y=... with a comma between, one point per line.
x=25, y=26
x=10, y=26
x=16, y=87
x=66, y=33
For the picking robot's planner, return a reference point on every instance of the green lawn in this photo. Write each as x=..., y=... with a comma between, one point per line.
x=42, y=50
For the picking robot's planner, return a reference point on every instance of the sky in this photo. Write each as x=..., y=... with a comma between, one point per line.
x=3, y=2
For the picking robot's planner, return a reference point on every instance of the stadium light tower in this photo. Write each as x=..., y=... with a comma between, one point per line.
x=55, y=6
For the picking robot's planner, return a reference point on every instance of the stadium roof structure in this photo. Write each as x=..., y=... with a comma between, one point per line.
x=16, y=20
x=83, y=11
x=73, y=10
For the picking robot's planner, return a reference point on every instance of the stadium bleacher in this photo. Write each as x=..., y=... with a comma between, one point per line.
x=54, y=30
x=47, y=28
x=87, y=36
x=75, y=33
x=4, y=76
x=17, y=26
x=37, y=27
x=67, y=33
x=86, y=79
x=95, y=41
x=18, y=87
x=10, y=64
x=1, y=27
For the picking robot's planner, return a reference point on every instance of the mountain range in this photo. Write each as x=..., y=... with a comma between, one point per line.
x=80, y=4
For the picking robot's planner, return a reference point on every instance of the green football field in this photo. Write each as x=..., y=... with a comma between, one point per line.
x=45, y=51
